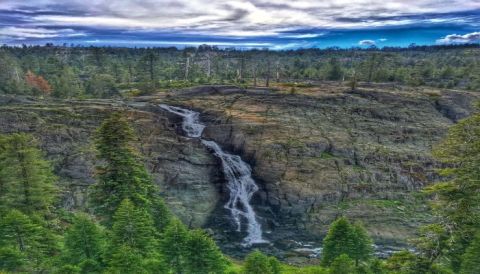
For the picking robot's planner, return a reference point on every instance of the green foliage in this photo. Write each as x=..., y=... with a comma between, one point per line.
x=173, y=246
x=342, y=265
x=345, y=238
x=125, y=259
x=12, y=259
x=68, y=269
x=67, y=84
x=105, y=72
x=203, y=255
x=160, y=213
x=21, y=237
x=401, y=262
x=258, y=263
x=101, y=86
x=334, y=71
x=471, y=258
x=458, y=199
x=122, y=175
x=26, y=179
x=406, y=262
x=132, y=240
x=84, y=243
x=133, y=227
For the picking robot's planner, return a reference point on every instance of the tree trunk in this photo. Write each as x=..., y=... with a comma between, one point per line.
x=187, y=65
x=267, y=78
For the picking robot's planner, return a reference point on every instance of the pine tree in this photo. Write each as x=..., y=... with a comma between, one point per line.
x=173, y=246
x=345, y=238
x=471, y=258
x=334, y=72
x=67, y=84
x=122, y=175
x=132, y=241
x=23, y=236
x=258, y=263
x=405, y=262
x=342, y=265
x=84, y=243
x=203, y=255
x=362, y=247
x=458, y=199
x=12, y=260
x=275, y=267
x=27, y=181
x=133, y=227
x=159, y=211
x=339, y=240
x=125, y=259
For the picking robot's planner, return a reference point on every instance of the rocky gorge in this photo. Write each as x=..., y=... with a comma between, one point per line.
x=316, y=154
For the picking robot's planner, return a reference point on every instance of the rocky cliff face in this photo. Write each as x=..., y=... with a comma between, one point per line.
x=327, y=152
x=186, y=172
x=316, y=154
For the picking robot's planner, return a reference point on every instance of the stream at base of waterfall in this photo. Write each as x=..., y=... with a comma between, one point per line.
x=238, y=175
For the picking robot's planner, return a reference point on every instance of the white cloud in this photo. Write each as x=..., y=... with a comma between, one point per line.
x=382, y=39
x=302, y=36
x=460, y=39
x=366, y=43
x=184, y=43
x=237, y=17
x=18, y=33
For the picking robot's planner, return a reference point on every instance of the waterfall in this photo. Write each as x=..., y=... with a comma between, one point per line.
x=238, y=174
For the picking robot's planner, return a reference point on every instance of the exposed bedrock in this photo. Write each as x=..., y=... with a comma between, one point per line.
x=315, y=155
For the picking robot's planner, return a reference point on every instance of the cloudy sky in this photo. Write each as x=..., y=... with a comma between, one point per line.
x=276, y=24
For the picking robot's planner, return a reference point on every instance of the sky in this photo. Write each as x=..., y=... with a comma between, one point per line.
x=273, y=24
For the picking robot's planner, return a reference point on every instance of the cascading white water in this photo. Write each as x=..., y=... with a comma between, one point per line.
x=191, y=122
x=237, y=173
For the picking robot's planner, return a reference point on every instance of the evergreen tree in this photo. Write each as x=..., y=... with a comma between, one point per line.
x=147, y=71
x=362, y=247
x=122, y=175
x=203, y=255
x=67, y=84
x=345, y=238
x=173, y=246
x=12, y=259
x=159, y=211
x=125, y=259
x=133, y=227
x=334, y=71
x=21, y=237
x=11, y=75
x=68, y=269
x=458, y=199
x=275, y=267
x=258, y=263
x=101, y=86
x=27, y=180
x=342, y=265
x=84, y=244
x=132, y=241
x=339, y=240
x=471, y=258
